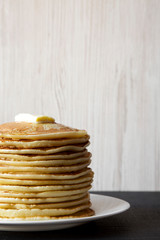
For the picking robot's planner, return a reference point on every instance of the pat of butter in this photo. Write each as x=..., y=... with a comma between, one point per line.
x=26, y=117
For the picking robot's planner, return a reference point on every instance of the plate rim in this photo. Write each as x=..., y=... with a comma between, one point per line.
x=125, y=207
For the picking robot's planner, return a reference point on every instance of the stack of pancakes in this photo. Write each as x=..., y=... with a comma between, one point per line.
x=44, y=171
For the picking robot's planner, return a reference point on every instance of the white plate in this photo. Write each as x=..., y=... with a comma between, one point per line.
x=104, y=206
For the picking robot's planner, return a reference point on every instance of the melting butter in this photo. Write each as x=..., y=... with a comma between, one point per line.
x=26, y=117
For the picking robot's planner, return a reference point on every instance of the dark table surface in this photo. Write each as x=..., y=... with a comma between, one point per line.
x=141, y=221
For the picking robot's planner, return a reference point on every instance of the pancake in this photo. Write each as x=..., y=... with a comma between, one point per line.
x=45, y=194
x=64, y=155
x=41, y=200
x=44, y=171
x=48, y=163
x=41, y=143
x=45, y=151
x=31, y=175
x=45, y=205
x=84, y=213
x=43, y=212
x=24, y=130
x=43, y=188
x=21, y=182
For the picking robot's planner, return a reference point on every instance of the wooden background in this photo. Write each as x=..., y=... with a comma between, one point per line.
x=95, y=65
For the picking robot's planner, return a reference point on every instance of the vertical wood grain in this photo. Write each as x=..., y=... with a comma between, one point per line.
x=92, y=64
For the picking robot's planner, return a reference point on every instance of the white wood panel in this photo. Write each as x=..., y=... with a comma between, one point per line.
x=92, y=64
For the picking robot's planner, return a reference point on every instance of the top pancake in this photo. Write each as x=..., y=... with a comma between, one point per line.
x=34, y=131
